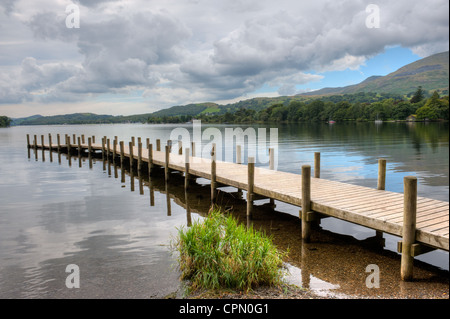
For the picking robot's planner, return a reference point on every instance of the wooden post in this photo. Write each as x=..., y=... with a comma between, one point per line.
x=213, y=173
x=409, y=226
x=35, y=142
x=238, y=154
x=150, y=159
x=381, y=174
x=79, y=146
x=180, y=147
x=139, y=157
x=132, y=140
x=147, y=142
x=28, y=141
x=158, y=145
x=186, y=170
x=193, y=148
x=250, y=182
x=317, y=164
x=90, y=146
x=103, y=148
x=271, y=167
x=50, y=142
x=108, y=149
x=139, y=140
x=115, y=149
x=93, y=139
x=306, y=202
x=74, y=139
x=68, y=144
x=122, y=153
x=82, y=139
x=166, y=164
x=42, y=141
x=130, y=145
x=58, y=140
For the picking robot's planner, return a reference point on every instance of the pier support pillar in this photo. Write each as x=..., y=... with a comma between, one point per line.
x=306, y=202
x=250, y=183
x=409, y=226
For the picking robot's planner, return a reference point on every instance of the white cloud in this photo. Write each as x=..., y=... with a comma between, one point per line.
x=181, y=51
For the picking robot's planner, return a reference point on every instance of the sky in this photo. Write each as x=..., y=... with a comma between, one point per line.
x=136, y=56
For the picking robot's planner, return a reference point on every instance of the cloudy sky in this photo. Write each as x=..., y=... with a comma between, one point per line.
x=130, y=57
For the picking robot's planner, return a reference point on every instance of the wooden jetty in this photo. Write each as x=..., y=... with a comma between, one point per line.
x=422, y=223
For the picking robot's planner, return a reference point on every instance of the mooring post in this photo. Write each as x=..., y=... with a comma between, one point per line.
x=93, y=139
x=139, y=140
x=180, y=147
x=130, y=145
x=28, y=141
x=132, y=140
x=238, y=154
x=114, y=149
x=306, y=202
x=166, y=164
x=213, y=173
x=186, y=169
x=82, y=139
x=381, y=174
x=122, y=153
x=50, y=142
x=103, y=148
x=74, y=139
x=139, y=157
x=147, y=142
x=58, y=140
x=68, y=145
x=108, y=148
x=409, y=226
x=42, y=141
x=150, y=159
x=158, y=145
x=193, y=148
x=317, y=164
x=35, y=142
x=79, y=146
x=90, y=146
x=271, y=167
x=250, y=182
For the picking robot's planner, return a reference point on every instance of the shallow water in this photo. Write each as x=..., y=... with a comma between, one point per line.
x=117, y=228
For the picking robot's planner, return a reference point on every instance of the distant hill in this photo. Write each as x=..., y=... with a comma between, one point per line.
x=432, y=73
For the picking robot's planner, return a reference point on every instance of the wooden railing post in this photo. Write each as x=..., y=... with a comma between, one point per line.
x=306, y=202
x=250, y=184
x=381, y=174
x=409, y=226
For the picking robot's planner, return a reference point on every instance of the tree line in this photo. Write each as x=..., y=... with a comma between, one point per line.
x=325, y=109
x=5, y=121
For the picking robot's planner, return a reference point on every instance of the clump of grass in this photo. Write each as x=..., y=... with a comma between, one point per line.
x=219, y=253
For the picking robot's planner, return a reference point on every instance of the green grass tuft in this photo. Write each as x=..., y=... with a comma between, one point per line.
x=219, y=253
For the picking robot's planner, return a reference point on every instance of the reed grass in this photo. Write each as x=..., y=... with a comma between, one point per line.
x=218, y=253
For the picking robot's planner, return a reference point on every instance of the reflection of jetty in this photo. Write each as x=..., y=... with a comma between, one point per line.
x=422, y=223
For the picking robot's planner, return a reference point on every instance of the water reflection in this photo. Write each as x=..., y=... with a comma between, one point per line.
x=332, y=264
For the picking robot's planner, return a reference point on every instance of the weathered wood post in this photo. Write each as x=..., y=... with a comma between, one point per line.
x=74, y=139
x=250, y=184
x=238, y=154
x=193, y=148
x=79, y=146
x=50, y=142
x=381, y=174
x=271, y=167
x=166, y=164
x=58, y=140
x=139, y=140
x=35, y=142
x=132, y=140
x=82, y=139
x=150, y=159
x=108, y=149
x=409, y=226
x=28, y=141
x=42, y=141
x=90, y=146
x=103, y=148
x=68, y=145
x=122, y=153
x=306, y=202
x=180, y=147
x=130, y=145
x=114, y=149
x=186, y=170
x=147, y=142
x=93, y=139
x=158, y=145
x=213, y=173
x=139, y=158
x=317, y=164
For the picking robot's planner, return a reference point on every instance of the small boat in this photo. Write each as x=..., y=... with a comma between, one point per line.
x=331, y=122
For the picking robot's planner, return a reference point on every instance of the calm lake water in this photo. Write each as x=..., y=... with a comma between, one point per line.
x=117, y=228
